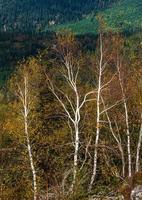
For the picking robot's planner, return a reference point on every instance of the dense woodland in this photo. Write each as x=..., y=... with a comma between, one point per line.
x=35, y=15
x=71, y=120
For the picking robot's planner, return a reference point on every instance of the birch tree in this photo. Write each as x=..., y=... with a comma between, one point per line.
x=23, y=84
x=138, y=92
x=23, y=94
x=71, y=104
x=101, y=66
x=102, y=85
x=138, y=149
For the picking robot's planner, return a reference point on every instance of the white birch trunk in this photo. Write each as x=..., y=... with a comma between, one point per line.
x=128, y=140
x=74, y=113
x=23, y=95
x=31, y=161
x=75, y=102
x=100, y=87
x=138, y=150
x=98, y=118
x=127, y=123
x=76, y=124
x=75, y=167
x=119, y=146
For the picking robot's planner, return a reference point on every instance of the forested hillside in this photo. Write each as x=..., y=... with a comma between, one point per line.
x=38, y=18
x=23, y=24
x=35, y=15
x=122, y=16
x=79, y=16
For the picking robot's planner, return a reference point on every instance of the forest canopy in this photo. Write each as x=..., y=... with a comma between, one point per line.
x=35, y=15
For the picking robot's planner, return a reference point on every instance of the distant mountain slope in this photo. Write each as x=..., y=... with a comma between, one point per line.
x=77, y=15
x=35, y=15
x=125, y=15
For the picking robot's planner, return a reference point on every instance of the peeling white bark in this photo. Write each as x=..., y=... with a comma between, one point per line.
x=126, y=121
x=98, y=116
x=99, y=111
x=23, y=96
x=138, y=149
x=71, y=77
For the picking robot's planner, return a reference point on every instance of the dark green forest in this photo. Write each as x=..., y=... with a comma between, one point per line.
x=35, y=15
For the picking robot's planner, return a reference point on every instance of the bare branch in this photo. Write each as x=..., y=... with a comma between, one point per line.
x=85, y=98
x=117, y=103
x=86, y=152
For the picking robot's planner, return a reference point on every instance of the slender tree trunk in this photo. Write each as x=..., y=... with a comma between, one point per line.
x=95, y=160
x=98, y=123
x=117, y=140
x=121, y=151
x=76, y=128
x=26, y=111
x=127, y=123
x=31, y=162
x=75, y=101
x=128, y=140
x=75, y=156
x=122, y=160
x=138, y=150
